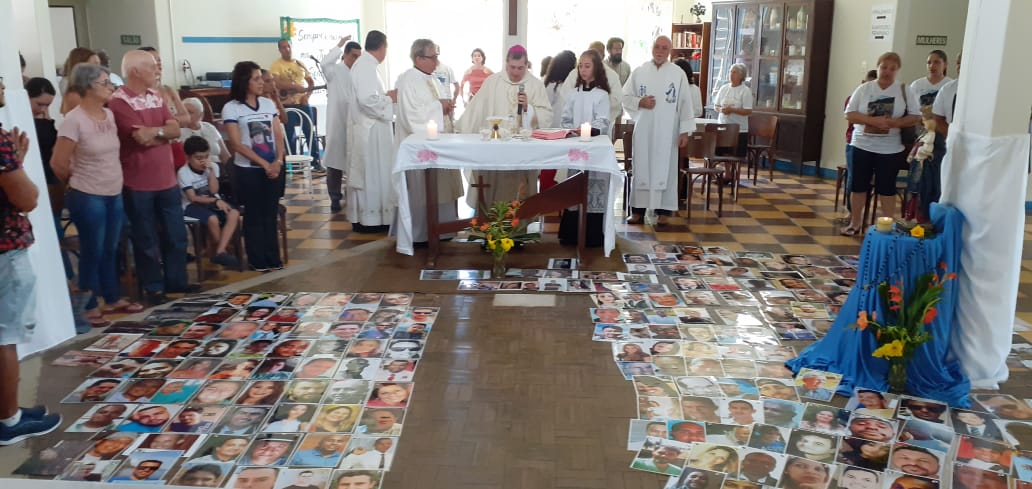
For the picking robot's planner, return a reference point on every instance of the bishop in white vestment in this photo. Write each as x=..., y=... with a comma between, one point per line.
x=657, y=98
x=418, y=103
x=498, y=96
x=371, y=202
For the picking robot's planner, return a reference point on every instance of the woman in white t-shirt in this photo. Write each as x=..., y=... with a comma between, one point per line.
x=256, y=136
x=877, y=110
x=219, y=152
x=734, y=103
x=927, y=87
x=589, y=102
x=693, y=89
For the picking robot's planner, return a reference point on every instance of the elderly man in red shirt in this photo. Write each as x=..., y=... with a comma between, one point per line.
x=152, y=200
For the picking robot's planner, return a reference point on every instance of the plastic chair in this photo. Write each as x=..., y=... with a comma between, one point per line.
x=299, y=158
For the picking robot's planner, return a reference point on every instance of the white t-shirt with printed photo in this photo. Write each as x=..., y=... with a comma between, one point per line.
x=871, y=99
x=946, y=101
x=925, y=91
x=256, y=128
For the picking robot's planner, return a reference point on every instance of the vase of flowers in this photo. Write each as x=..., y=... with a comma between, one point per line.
x=499, y=227
x=903, y=328
x=698, y=10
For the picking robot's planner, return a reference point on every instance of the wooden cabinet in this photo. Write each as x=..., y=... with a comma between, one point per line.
x=692, y=42
x=785, y=47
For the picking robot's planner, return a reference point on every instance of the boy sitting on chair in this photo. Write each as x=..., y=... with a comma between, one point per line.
x=199, y=180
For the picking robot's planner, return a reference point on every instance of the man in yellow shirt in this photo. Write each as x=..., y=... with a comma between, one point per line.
x=295, y=86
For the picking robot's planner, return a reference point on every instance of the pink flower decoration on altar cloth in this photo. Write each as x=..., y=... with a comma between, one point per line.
x=426, y=156
x=578, y=155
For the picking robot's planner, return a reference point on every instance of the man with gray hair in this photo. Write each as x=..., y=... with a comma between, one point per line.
x=152, y=200
x=419, y=101
x=656, y=96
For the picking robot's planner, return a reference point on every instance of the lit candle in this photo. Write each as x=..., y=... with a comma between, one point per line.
x=883, y=224
x=585, y=132
x=431, y=130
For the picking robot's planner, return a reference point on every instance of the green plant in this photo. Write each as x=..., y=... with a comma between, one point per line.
x=500, y=229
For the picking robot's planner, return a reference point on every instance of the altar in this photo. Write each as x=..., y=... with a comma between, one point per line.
x=473, y=152
x=933, y=372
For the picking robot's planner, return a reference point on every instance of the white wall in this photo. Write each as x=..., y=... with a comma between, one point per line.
x=928, y=17
x=260, y=18
x=109, y=19
x=852, y=54
x=82, y=28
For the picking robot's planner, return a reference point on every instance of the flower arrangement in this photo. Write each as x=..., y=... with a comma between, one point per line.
x=501, y=230
x=903, y=330
x=698, y=10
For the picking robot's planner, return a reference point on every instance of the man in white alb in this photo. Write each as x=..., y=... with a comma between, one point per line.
x=501, y=95
x=663, y=121
x=336, y=67
x=418, y=103
x=371, y=142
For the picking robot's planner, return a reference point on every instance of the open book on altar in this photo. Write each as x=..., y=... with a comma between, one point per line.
x=552, y=133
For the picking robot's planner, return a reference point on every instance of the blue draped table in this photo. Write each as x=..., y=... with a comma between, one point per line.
x=932, y=372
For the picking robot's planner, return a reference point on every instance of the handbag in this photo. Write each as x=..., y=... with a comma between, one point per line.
x=907, y=134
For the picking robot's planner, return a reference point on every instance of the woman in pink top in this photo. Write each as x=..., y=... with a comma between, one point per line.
x=475, y=75
x=87, y=157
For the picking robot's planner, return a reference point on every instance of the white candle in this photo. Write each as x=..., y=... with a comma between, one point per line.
x=585, y=132
x=431, y=130
x=883, y=224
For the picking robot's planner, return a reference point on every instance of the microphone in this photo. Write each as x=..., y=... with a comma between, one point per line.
x=519, y=105
x=313, y=59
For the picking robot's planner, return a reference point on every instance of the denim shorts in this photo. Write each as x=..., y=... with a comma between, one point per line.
x=17, y=298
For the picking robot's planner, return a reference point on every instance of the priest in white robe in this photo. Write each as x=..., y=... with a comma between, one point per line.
x=371, y=202
x=500, y=95
x=657, y=98
x=336, y=67
x=418, y=103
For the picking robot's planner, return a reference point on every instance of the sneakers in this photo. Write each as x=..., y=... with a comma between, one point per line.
x=226, y=260
x=35, y=412
x=335, y=205
x=318, y=169
x=28, y=427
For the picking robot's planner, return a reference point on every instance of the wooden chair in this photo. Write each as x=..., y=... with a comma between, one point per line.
x=626, y=133
x=727, y=140
x=700, y=147
x=763, y=130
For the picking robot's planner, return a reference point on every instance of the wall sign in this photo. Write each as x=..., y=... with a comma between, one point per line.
x=131, y=40
x=882, y=21
x=926, y=40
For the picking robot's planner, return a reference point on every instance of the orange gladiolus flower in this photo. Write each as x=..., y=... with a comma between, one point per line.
x=483, y=227
x=893, y=308
x=930, y=315
x=861, y=320
x=942, y=265
x=951, y=276
x=473, y=222
x=515, y=221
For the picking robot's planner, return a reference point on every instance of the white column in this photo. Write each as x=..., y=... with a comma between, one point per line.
x=985, y=175
x=53, y=309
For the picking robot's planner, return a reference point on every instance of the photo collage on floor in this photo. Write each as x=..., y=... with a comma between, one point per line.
x=718, y=409
x=226, y=390
x=560, y=276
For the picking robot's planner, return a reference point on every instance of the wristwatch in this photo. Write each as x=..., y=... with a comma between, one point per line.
x=161, y=132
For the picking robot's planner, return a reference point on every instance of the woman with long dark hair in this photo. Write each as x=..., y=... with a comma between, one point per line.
x=259, y=178
x=693, y=88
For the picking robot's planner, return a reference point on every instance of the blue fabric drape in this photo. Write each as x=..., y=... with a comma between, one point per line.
x=932, y=372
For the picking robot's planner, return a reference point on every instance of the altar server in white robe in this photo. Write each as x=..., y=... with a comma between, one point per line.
x=419, y=102
x=371, y=202
x=657, y=98
x=336, y=67
x=613, y=78
x=500, y=95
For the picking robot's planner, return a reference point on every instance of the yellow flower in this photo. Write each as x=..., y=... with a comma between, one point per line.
x=491, y=244
x=889, y=350
x=507, y=244
x=917, y=232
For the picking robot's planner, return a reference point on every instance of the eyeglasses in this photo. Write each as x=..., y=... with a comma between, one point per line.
x=106, y=83
x=434, y=57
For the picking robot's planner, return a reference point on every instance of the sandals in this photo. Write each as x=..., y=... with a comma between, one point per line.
x=98, y=321
x=128, y=308
x=849, y=231
x=636, y=219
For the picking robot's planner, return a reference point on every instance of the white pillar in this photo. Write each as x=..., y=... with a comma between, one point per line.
x=53, y=309
x=985, y=174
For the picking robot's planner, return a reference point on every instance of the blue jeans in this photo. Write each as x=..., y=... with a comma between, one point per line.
x=17, y=298
x=149, y=212
x=292, y=121
x=849, y=175
x=98, y=218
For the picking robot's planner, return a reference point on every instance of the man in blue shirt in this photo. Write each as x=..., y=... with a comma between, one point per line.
x=147, y=420
x=326, y=454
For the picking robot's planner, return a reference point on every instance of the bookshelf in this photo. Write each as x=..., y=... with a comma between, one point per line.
x=692, y=42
